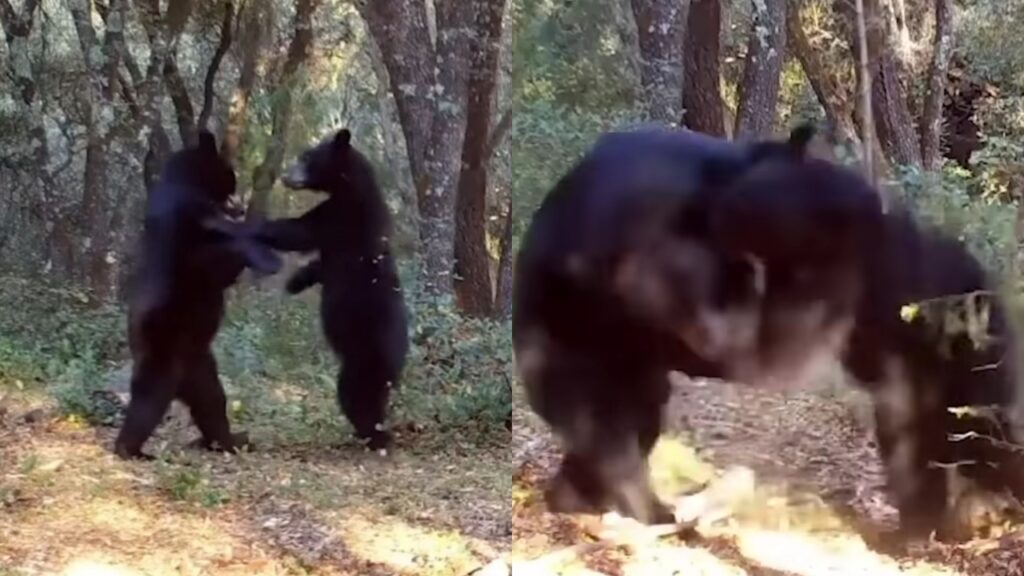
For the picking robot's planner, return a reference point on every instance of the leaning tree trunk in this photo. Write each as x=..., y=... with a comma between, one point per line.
x=759, y=88
x=659, y=30
x=931, y=117
x=281, y=111
x=472, y=281
x=836, y=101
x=702, y=94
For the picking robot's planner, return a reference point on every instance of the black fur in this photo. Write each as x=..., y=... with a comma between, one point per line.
x=177, y=300
x=362, y=307
x=616, y=284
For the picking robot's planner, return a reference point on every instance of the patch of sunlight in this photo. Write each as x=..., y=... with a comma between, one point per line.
x=405, y=547
x=839, y=555
x=88, y=567
x=115, y=517
x=670, y=561
x=676, y=466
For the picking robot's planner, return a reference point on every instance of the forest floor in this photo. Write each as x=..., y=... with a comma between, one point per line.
x=818, y=477
x=69, y=507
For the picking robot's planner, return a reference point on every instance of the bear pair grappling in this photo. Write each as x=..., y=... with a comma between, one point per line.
x=673, y=251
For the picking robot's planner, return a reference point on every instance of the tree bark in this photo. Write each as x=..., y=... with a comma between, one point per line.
x=472, y=279
x=223, y=45
x=503, y=298
x=430, y=88
x=281, y=110
x=759, y=88
x=659, y=30
x=835, y=100
x=101, y=61
x=893, y=121
x=253, y=31
x=931, y=117
x=702, y=94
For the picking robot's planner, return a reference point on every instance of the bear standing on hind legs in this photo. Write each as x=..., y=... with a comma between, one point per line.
x=362, y=308
x=177, y=299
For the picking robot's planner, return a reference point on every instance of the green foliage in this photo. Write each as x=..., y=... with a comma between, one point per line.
x=279, y=374
x=985, y=225
x=459, y=374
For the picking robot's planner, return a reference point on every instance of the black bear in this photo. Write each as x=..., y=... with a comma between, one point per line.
x=829, y=253
x=616, y=284
x=177, y=298
x=673, y=251
x=926, y=368
x=362, y=307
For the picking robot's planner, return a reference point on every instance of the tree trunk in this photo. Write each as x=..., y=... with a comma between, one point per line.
x=472, y=279
x=281, y=110
x=429, y=86
x=702, y=94
x=659, y=30
x=394, y=144
x=894, y=124
x=759, y=88
x=837, y=102
x=253, y=32
x=931, y=118
x=223, y=45
x=503, y=298
x=101, y=61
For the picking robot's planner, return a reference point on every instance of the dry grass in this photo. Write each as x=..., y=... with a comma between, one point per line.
x=817, y=477
x=67, y=506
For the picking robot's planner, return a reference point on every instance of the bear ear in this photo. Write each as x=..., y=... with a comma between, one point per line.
x=207, y=142
x=343, y=138
x=800, y=138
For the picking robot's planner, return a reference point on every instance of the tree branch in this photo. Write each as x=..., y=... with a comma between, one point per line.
x=226, y=37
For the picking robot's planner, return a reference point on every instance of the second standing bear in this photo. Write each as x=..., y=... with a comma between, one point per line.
x=362, y=308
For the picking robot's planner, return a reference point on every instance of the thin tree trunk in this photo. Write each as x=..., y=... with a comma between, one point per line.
x=931, y=118
x=659, y=32
x=702, y=95
x=503, y=298
x=472, y=280
x=759, y=88
x=281, y=111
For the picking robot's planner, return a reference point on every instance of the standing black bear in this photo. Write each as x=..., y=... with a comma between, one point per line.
x=362, y=308
x=616, y=284
x=177, y=300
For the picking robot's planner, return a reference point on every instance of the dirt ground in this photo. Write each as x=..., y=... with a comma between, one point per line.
x=68, y=507
x=819, y=494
